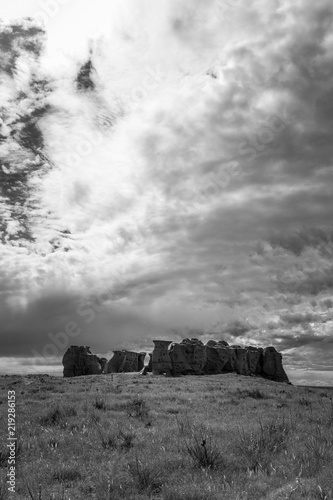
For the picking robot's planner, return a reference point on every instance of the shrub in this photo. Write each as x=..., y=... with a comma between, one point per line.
x=305, y=402
x=100, y=403
x=126, y=438
x=138, y=408
x=252, y=393
x=52, y=417
x=107, y=439
x=57, y=415
x=147, y=477
x=258, y=447
x=67, y=474
x=114, y=440
x=203, y=451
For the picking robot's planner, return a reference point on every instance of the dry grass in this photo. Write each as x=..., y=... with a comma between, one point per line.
x=128, y=437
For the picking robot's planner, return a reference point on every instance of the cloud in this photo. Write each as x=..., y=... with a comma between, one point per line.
x=205, y=132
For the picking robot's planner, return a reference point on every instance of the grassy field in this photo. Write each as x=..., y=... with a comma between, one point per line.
x=127, y=436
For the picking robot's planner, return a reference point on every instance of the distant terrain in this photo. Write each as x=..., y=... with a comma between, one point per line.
x=126, y=436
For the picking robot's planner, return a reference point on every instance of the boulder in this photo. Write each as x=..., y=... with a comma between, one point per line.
x=78, y=360
x=161, y=361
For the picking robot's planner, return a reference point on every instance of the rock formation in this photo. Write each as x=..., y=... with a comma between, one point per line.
x=192, y=357
x=125, y=361
x=161, y=362
x=78, y=360
x=116, y=362
x=189, y=357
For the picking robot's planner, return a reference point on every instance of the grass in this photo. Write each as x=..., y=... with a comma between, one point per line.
x=264, y=443
x=146, y=477
x=128, y=437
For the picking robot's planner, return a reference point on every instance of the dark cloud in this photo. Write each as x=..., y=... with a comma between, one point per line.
x=48, y=326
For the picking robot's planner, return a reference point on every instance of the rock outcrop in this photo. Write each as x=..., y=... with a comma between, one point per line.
x=116, y=363
x=125, y=361
x=192, y=357
x=189, y=357
x=78, y=360
x=161, y=362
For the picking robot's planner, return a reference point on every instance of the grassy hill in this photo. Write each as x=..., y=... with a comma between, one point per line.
x=126, y=436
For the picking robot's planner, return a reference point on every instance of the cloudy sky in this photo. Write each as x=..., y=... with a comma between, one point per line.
x=166, y=171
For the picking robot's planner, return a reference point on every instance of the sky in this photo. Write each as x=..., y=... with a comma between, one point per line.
x=175, y=181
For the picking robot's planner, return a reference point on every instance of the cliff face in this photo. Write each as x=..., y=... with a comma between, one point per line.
x=192, y=357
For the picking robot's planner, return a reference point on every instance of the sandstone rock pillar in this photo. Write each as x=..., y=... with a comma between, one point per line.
x=131, y=362
x=161, y=362
x=78, y=360
x=116, y=362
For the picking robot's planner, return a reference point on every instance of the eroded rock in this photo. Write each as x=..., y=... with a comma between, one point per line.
x=189, y=357
x=116, y=362
x=272, y=365
x=161, y=362
x=78, y=360
x=192, y=357
x=125, y=362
